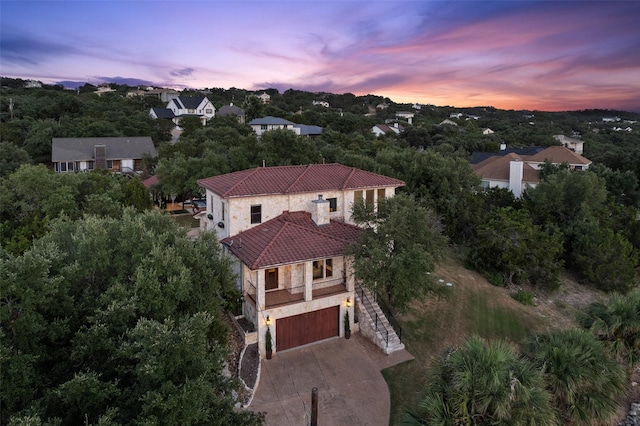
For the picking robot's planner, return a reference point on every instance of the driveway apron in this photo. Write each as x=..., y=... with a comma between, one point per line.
x=351, y=389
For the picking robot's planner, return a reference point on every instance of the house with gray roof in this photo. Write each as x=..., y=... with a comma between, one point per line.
x=117, y=154
x=264, y=124
x=232, y=110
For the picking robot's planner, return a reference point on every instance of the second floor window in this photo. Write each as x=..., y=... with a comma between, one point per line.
x=322, y=269
x=333, y=204
x=256, y=213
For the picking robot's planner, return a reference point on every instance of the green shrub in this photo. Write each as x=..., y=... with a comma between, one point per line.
x=495, y=278
x=524, y=297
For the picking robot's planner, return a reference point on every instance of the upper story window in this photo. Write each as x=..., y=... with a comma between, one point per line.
x=90, y=165
x=191, y=111
x=369, y=199
x=256, y=213
x=333, y=204
x=109, y=164
x=208, y=111
x=322, y=269
x=263, y=127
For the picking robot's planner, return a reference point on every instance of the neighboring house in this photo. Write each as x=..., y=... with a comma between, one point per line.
x=162, y=113
x=233, y=110
x=487, y=131
x=384, y=129
x=117, y=154
x=264, y=124
x=457, y=115
x=473, y=117
x=321, y=103
x=307, y=130
x=407, y=115
x=32, y=84
x=104, y=88
x=186, y=106
x=165, y=95
x=622, y=129
x=575, y=145
x=287, y=229
x=518, y=170
x=265, y=98
x=508, y=171
x=449, y=122
x=610, y=119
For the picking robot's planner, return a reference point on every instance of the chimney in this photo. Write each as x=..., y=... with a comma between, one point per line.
x=515, y=177
x=320, y=211
x=100, y=156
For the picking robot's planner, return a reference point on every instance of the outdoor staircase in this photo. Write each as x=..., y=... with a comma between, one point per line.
x=374, y=324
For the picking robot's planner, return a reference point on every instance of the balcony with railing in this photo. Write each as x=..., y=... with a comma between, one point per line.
x=295, y=294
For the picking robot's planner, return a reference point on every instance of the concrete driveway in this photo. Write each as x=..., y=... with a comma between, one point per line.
x=348, y=376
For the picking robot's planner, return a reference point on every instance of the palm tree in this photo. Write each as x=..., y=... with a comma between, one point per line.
x=483, y=383
x=617, y=324
x=582, y=378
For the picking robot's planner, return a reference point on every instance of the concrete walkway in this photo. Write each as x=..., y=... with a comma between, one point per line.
x=351, y=388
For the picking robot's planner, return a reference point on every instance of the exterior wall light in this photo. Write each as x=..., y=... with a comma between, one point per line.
x=268, y=321
x=348, y=302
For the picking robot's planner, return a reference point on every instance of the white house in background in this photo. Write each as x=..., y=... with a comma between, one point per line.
x=321, y=103
x=186, y=106
x=265, y=98
x=610, y=119
x=575, y=145
x=622, y=129
x=287, y=229
x=32, y=84
x=264, y=124
x=117, y=154
x=385, y=129
x=487, y=131
x=516, y=171
x=407, y=115
x=449, y=122
x=456, y=115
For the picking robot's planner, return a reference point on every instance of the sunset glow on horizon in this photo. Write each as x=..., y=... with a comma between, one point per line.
x=536, y=55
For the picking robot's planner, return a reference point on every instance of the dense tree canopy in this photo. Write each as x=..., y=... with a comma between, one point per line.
x=398, y=248
x=117, y=321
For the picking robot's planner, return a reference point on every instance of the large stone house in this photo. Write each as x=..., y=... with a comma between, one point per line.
x=287, y=229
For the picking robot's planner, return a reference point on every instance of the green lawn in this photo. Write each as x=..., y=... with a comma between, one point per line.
x=471, y=306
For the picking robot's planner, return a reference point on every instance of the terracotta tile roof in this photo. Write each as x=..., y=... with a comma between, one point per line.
x=559, y=155
x=149, y=182
x=497, y=168
x=289, y=238
x=295, y=179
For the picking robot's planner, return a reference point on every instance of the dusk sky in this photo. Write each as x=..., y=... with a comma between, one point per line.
x=544, y=55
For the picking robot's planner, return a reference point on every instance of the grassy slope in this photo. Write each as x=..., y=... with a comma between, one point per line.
x=472, y=306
